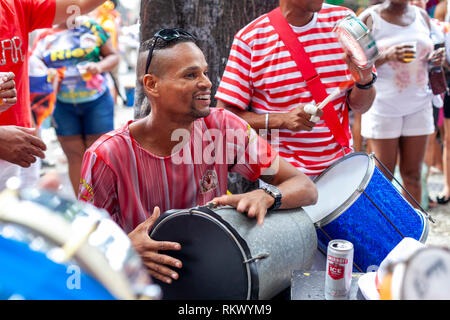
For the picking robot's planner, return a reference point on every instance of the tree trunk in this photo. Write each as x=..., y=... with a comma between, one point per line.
x=214, y=22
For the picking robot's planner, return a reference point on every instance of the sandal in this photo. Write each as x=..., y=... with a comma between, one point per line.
x=431, y=203
x=443, y=199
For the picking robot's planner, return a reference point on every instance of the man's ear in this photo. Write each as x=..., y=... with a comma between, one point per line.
x=150, y=83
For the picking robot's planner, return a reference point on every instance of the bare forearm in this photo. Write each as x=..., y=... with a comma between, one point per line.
x=296, y=188
x=109, y=63
x=360, y=100
x=298, y=191
x=255, y=120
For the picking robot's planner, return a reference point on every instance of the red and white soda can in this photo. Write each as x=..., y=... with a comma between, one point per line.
x=338, y=277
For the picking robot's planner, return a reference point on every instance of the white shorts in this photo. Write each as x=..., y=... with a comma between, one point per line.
x=374, y=126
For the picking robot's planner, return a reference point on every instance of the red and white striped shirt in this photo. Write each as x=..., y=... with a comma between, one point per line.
x=262, y=77
x=128, y=181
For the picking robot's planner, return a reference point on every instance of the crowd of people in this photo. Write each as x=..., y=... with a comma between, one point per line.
x=137, y=171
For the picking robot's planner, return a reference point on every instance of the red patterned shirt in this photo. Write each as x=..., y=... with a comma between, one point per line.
x=262, y=77
x=129, y=181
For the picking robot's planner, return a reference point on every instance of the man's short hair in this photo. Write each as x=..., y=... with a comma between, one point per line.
x=161, y=44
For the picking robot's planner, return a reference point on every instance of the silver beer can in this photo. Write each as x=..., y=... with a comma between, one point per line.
x=338, y=277
x=356, y=37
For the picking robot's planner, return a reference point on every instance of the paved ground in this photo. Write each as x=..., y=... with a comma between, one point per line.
x=439, y=231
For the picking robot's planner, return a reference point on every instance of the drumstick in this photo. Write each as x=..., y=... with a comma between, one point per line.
x=312, y=109
x=329, y=98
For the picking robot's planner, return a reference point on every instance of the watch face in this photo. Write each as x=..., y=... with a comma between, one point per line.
x=274, y=191
x=270, y=189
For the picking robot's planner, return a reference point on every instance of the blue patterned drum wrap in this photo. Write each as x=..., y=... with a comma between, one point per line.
x=373, y=231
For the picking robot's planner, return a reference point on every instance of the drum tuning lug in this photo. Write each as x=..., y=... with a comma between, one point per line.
x=258, y=257
x=211, y=205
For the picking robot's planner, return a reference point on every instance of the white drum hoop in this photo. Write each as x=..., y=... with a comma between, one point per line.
x=354, y=196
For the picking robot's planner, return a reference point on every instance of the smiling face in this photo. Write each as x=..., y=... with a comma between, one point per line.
x=181, y=86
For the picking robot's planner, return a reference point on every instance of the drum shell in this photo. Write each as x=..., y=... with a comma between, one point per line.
x=288, y=236
x=292, y=245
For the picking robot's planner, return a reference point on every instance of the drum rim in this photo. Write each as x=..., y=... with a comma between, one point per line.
x=336, y=213
x=203, y=211
x=402, y=292
x=426, y=227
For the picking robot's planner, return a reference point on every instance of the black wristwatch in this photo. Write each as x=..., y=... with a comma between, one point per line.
x=367, y=85
x=275, y=193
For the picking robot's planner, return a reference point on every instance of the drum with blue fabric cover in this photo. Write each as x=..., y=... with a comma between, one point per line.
x=359, y=204
x=29, y=274
x=54, y=248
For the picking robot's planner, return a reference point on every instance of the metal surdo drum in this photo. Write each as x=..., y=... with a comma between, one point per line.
x=56, y=249
x=225, y=255
x=359, y=204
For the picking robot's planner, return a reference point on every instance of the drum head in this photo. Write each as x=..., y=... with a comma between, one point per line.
x=338, y=185
x=212, y=259
x=427, y=275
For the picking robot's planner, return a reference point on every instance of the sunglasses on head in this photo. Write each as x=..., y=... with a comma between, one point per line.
x=166, y=35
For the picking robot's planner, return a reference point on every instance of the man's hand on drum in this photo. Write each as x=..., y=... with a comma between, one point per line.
x=255, y=203
x=157, y=264
x=298, y=119
x=8, y=92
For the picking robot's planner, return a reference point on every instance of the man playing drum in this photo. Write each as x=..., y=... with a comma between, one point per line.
x=179, y=155
x=264, y=86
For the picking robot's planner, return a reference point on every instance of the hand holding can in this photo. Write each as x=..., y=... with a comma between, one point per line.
x=8, y=92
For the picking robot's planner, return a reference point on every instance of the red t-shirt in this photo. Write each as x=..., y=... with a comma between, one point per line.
x=17, y=19
x=128, y=181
